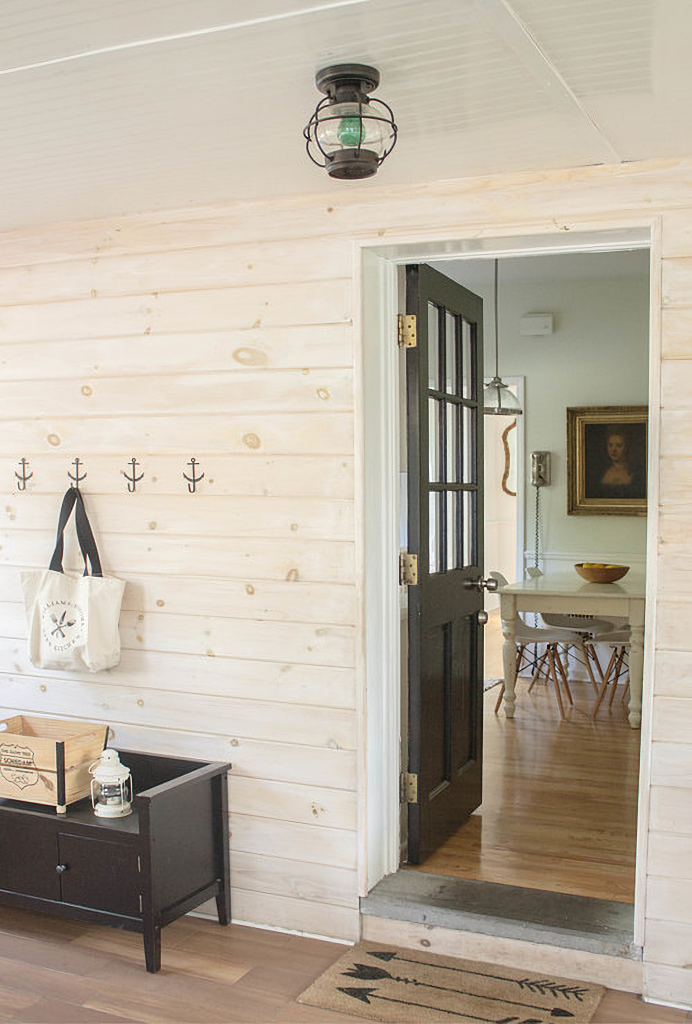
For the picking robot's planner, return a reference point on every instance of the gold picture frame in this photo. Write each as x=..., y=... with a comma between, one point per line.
x=606, y=460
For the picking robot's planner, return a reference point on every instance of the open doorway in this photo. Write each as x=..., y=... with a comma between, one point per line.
x=559, y=806
x=550, y=386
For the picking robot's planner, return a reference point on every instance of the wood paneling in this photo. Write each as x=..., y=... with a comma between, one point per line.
x=245, y=558
x=167, y=312
x=671, y=764
x=143, y=670
x=677, y=340
x=666, y=901
x=172, y=335
x=278, y=876
x=670, y=855
x=182, y=269
x=676, y=281
x=252, y=719
x=236, y=475
x=672, y=985
x=671, y=811
x=668, y=942
x=238, y=621
x=311, y=805
x=672, y=719
x=676, y=232
x=290, y=433
x=219, y=516
x=332, y=846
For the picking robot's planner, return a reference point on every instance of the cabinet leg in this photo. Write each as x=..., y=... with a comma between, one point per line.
x=152, y=947
x=223, y=907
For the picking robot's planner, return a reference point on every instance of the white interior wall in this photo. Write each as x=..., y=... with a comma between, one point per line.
x=500, y=508
x=597, y=355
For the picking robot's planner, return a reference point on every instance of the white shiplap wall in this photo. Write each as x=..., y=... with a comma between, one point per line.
x=238, y=617
x=225, y=334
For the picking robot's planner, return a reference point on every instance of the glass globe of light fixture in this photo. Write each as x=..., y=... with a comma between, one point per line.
x=349, y=133
x=498, y=400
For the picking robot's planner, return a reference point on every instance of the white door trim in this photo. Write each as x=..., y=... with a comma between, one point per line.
x=377, y=428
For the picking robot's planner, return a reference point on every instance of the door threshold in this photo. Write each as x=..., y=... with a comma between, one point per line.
x=604, y=927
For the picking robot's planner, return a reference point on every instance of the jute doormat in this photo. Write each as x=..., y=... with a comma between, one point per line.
x=389, y=984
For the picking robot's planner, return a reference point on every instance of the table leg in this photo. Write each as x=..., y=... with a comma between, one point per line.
x=509, y=652
x=636, y=673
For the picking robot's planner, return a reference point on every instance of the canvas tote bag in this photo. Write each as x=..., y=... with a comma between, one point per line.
x=73, y=620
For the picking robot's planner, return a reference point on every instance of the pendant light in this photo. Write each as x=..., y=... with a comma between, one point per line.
x=350, y=133
x=498, y=400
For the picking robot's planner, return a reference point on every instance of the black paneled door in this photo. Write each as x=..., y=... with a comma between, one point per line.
x=445, y=521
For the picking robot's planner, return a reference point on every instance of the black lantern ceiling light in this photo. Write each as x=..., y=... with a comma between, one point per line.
x=350, y=134
x=498, y=400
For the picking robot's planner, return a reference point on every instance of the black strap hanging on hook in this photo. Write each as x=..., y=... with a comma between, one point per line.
x=76, y=479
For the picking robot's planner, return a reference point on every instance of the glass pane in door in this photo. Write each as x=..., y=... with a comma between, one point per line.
x=435, y=413
x=451, y=361
x=468, y=355
x=433, y=348
x=434, y=532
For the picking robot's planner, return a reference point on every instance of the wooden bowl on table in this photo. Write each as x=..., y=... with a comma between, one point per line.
x=600, y=572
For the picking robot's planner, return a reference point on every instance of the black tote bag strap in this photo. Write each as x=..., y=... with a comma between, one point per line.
x=87, y=541
x=65, y=512
x=85, y=535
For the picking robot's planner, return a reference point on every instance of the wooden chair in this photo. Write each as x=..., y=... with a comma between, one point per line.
x=620, y=646
x=585, y=628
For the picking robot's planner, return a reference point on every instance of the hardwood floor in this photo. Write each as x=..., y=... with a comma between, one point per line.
x=54, y=971
x=560, y=797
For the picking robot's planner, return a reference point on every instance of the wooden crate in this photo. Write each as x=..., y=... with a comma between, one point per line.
x=46, y=760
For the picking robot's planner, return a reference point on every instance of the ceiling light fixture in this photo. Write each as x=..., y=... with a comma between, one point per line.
x=349, y=133
x=498, y=400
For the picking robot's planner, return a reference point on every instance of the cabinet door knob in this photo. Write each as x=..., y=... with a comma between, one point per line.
x=61, y=868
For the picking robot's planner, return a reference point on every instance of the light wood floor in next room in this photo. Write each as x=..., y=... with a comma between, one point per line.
x=559, y=797
x=65, y=972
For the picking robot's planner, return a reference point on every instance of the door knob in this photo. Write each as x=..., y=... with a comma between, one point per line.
x=480, y=585
x=61, y=868
x=482, y=617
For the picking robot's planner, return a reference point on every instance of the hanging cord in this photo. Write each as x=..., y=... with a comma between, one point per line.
x=538, y=530
x=537, y=540
x=497, y=356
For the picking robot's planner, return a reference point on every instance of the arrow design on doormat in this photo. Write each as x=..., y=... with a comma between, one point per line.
x=542, y=985
x=364, y=972
x=366, y=994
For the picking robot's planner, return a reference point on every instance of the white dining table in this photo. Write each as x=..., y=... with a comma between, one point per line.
x=567, y=592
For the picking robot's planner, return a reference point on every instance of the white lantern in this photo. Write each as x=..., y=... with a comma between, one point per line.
x=111, y=786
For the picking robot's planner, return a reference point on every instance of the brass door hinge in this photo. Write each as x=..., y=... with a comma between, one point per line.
x=408, y=787
x=407, y=334
x=408, y=569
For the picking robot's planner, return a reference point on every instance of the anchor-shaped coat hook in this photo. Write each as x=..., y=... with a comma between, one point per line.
x=76, y=479
x=193, y=480
x=133, y=480
x=25, y=476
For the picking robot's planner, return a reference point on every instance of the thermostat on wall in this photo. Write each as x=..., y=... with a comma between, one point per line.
x=536, y=323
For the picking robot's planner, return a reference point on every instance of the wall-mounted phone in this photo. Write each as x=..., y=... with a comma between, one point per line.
x=540, y=468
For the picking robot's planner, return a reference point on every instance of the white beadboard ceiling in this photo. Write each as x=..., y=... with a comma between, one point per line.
x=116, y=106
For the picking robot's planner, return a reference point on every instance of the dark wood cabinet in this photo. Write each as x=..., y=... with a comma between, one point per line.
x=139, y=872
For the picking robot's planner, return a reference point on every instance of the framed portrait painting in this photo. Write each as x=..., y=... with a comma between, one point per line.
x=606, y=460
